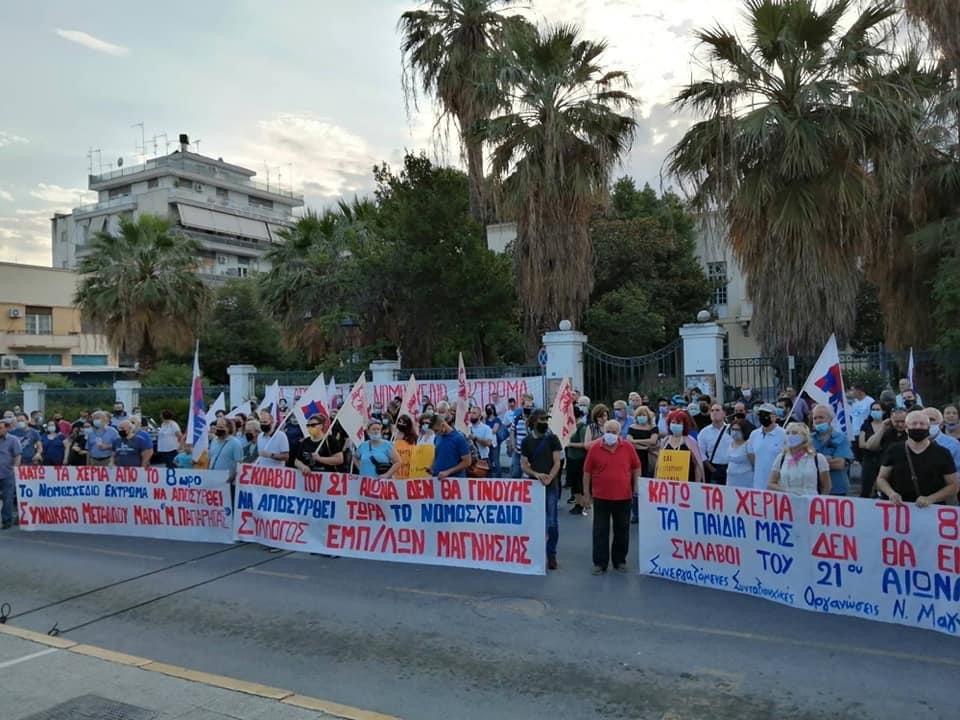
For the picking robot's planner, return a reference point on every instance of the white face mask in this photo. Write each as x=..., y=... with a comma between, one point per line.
x=609, y=438
x=934, y=430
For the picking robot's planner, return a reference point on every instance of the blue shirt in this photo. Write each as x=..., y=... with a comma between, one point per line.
x=369, y=454
x=9, y=449
x=28, y=439
x=54, y=449
x=951, y=444
x=450, y=449
x=107, y=435
x=127, y=451
x=836, y=446
x=225, y=454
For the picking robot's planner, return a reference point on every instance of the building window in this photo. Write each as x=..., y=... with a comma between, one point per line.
x=222, y=194
x=260, y=202
x=63, y=236
x=42, y=358
x=89, y=360
x=717, y=275
x=39, y=321
x=152, y=183
x=122, y=191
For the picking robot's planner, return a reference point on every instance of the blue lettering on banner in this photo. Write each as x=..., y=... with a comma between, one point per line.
x=694, y=575
x=293, y=505
x=669, y=520
x=777, y=563
x=49, y=491
x=760, y=590
x=715, y=524
x=948, y=622
x=921, y=584
x=775, y=533
x=826, y=603
x=473, y=514
x=244, y=500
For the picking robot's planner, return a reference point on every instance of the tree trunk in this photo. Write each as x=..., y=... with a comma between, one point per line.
x=478, y=206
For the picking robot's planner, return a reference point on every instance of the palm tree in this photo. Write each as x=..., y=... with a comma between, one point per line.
x=141, y=287
x=569, y=122
x=450, y=47
x=787, y=151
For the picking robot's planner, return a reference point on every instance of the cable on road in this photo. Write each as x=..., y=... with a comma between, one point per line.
x=54, y=631
x=5, y=608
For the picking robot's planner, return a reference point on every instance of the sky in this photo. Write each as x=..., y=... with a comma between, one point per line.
x=306, y=91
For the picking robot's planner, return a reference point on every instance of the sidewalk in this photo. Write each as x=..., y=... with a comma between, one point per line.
x=57, y=679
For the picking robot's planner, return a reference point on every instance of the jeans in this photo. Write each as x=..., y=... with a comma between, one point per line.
x=605, y=511
x=575, y=475
x=8, y=494
x=553, y=518
x=515, y=471
x=494, y=460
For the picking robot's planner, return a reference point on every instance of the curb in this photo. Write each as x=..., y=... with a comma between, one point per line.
x=287, y=697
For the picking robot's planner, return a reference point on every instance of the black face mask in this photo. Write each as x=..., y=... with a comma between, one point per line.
x=542, y=427
x=527, y=411
x=765, y=418
x=908, y=403
x=123, y=433
x=740, y=416
x=249, y=436
x=220, y=432
x=918, y=434
x=265, y=427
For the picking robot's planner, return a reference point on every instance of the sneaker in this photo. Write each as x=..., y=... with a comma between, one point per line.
x=621, y=568
x=597, y=570
x=571, y=500
x=552, y=562
x=576, y=510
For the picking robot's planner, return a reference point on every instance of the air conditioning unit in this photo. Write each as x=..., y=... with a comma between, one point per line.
x=11, y=362
x=14, y=312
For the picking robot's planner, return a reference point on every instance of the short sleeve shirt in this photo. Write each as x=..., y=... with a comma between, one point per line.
x=127, y=452
x=480, y=431
x=539, y=453
x=9, y=449
x=930, y=466
x=611, y=473
x=28, y=442
x=449, y=450
x=278, y=444
x=836, y=446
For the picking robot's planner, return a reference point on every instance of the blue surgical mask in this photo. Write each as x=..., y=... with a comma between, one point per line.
x=676, y=428
x=736, y=435
x=934, y=430
x=642, y=419
x=373, y=436
x=694, y=410
x=609, y=438
x=98, y=423
x=877, y=415
x=794, y=441
x=821, y=427
x=781, y=412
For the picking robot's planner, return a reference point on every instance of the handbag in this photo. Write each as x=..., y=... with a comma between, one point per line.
x=479, y=467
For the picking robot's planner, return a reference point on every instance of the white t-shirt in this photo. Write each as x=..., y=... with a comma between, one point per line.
x=167, y=436
x=801, y=477
x=276, y=443
x=765, y=447
x=708, y=438
x=481, y=431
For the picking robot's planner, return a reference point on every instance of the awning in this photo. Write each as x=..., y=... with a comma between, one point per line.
x=214, y=221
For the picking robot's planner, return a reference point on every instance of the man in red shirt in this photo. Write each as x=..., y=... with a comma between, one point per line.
x=610, y=473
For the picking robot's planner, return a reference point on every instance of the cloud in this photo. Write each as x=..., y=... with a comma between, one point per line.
x=4, y=195
x=92, y=43
x=61, y=196
x=25, y=236
x=9, y=139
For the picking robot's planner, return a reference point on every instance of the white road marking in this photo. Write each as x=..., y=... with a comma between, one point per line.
x=31, y=656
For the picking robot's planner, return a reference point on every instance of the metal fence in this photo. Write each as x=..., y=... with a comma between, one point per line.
x=487, y=372
x=346, y=375
x=609, y=377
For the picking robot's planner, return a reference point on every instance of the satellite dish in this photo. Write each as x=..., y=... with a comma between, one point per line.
x=119, y=162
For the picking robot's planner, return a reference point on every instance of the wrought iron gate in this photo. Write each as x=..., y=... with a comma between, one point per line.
x=609, y=377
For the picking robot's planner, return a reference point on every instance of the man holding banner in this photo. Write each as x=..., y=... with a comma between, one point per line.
x=917, y=470
x=540, y=456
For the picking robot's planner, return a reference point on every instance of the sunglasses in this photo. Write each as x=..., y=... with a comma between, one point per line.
x=314, y=424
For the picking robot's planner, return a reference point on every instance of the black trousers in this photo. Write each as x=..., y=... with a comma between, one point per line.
x=605, y=513
x=718, y=476
x=575, y=476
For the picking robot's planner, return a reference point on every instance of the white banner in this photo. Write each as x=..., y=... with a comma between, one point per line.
x=467, y=522
x=153, y=502
x=847, y=556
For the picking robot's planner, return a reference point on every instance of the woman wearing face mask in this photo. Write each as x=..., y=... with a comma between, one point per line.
x=869, y=456
x=376, y=457
x=644, y=437
x=54, y=445
x=594, y=432
x=679, y=439
x=319, y=451
x=77, y=444
x=800, y=469
x=406, y=445
x=739, y=467
x=951, y=421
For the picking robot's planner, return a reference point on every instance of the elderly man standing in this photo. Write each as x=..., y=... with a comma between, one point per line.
x=9, y=461
x=833, y=445
x=131, y=448
x=941, y=438
x=101, y=439
x=917, y=470
x=610, y=473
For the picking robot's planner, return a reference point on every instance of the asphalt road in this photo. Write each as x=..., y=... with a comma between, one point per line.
x=429, y=642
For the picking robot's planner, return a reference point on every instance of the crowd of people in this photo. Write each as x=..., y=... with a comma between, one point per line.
x=904, y=451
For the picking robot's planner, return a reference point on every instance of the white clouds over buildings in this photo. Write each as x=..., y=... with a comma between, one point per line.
x=93, y=43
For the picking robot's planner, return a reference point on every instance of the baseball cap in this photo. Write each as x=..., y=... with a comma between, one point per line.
x=767, y=408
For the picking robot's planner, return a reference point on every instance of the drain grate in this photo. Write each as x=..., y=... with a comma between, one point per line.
x=93, y=707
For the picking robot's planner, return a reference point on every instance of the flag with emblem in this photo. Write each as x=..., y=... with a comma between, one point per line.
x=410, y=404
x=314, y=401
x=562, y=421
x=460, y=421
x=824, y=386
x=197, y=419
x=354, y=412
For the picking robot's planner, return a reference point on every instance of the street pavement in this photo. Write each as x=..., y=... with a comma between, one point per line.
x=417, y=641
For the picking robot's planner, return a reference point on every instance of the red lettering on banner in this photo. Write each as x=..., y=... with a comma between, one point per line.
x=127, y=474
x=146, y=516
x=831, y=511
x=103, y=514
x=450, y=489
x=483, y=547
x=22, y=509
x=948, y=559
x=63, y=472
x=271, y=477
x=506, y=491
x=707, y=552
x=835, y=546
x=338, y=484
x=764, y=504
x=33, y=472
x=245, y=529
x=92, y=473
x=378, y=489
x=661, y=492
x=948, y=525
x=386, y=540
x=420, y=489
x=53, y=516
x=898, y=553
x=357, y=510
x=898, y=515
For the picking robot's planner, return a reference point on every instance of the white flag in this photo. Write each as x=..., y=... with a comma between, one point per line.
x=332, y=393
x=354, y=412
x=312, y=402
x=271, y=396
x=562, y=421
x=460, y=422
x=824, y=385
x=913, y=382
x=410, y=405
